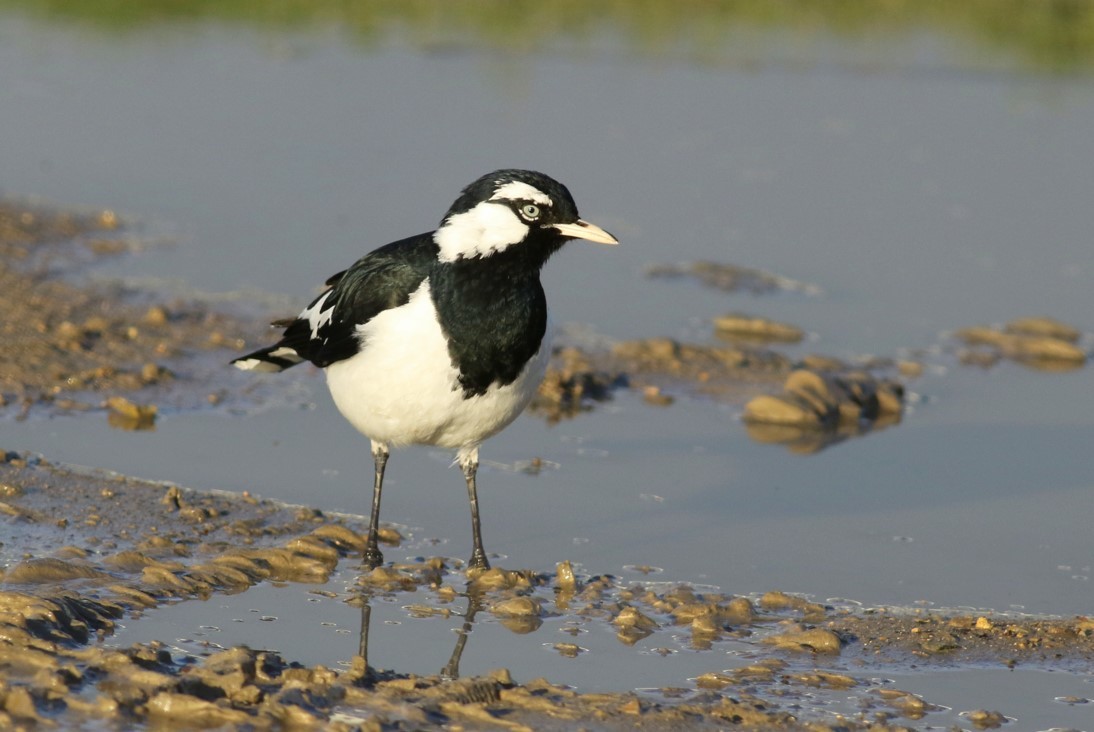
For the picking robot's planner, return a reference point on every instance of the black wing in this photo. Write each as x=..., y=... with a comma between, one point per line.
x=326, y=331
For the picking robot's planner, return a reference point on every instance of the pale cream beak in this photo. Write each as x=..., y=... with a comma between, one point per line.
x=584, y=230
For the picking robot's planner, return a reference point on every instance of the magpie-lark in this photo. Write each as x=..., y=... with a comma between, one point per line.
x=441, y=338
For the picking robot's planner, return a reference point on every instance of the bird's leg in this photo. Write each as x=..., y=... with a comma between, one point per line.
x=372, y=557
x=469, y=462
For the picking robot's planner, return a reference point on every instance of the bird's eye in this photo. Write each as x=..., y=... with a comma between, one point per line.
x=530, y=211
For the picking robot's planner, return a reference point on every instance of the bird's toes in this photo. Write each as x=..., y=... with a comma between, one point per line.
x=372, y=558
x=478, y=561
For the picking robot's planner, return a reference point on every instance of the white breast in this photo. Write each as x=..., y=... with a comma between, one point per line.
x=402, y=388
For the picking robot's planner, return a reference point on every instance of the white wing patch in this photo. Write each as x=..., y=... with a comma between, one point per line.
x=256, y=364
x=261, y=364
x=484, y=230
x=317, y=316
x=517, y=191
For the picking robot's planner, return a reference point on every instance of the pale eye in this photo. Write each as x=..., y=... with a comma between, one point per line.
x=530, y=211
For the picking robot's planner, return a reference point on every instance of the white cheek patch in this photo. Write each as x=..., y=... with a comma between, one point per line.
x=484, y=230
x=517, y=191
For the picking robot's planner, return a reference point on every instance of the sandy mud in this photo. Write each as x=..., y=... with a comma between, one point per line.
x=139, y=545
x=73, y=347
x=94, y=548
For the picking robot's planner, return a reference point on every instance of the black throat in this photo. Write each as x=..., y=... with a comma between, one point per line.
x=494, y=313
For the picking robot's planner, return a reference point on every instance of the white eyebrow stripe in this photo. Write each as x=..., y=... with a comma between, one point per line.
x=517, y=191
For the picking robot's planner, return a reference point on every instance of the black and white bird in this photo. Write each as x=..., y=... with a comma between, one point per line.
x=442, y=338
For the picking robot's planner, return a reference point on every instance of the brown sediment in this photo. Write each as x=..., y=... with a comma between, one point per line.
x=752, y=328
x=820, y=408
x=944, y=638
x=804, y=404
x=144, y=544
x=577, y=377
x=823, y=400
x=729, y=277
x=1040, y=343
x=70, y=347
x=98, y=547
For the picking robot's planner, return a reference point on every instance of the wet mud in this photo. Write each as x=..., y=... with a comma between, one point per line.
x=730, y=278
x=74, y=347
x=96, y=548
x=85, y=549
x=1040, y=343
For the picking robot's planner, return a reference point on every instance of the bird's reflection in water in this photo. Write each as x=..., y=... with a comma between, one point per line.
x=451, y=670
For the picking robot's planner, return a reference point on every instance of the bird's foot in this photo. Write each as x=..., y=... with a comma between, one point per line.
x=372, y=558
x=478, y=560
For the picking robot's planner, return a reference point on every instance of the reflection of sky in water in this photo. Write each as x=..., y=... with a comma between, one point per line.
x=918, y=196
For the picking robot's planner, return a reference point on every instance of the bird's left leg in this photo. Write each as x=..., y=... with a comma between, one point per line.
x=469, y=463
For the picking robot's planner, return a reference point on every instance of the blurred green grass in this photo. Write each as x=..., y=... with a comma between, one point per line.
x=1055, y=36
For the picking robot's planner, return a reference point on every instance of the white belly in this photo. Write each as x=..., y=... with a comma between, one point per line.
x=403, y=389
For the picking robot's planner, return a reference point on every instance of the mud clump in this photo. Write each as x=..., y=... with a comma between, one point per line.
x=818, y=408
x=811, y=640
x=574, y=381
x=633, y=625
x=738, y=326
x=776, y=601
x=578, y=378
x=699, y=363
x=823, y=401
x=729, y=277
x=1043, y=327
x=126, y=415
x=1039, y=343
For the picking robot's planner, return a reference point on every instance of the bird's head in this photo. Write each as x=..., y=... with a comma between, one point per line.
x=513, y=208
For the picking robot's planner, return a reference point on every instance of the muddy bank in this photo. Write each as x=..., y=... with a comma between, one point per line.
x=87, y=549
x=70, y=347
x=815, y=392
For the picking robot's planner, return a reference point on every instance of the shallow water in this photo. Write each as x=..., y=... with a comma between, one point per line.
x=304, y=625
x=918, y=185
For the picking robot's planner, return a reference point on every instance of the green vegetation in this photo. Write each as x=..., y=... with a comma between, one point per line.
x=1041, y=35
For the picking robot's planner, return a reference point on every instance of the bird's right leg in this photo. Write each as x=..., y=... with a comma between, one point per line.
x=372, y=557
x=468, y=458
